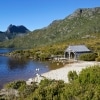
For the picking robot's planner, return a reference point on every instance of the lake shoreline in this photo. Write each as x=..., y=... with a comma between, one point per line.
x=13, y=69
x=62, y=73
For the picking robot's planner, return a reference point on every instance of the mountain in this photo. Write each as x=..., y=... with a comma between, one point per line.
x=17, y=29
x=12, y=32
x=2, y=36
x=81, y=24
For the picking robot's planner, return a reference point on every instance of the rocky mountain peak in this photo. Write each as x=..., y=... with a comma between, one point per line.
x=16, y=29
x=85, y=12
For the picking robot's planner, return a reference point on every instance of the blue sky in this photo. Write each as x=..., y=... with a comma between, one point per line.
x=36, y=14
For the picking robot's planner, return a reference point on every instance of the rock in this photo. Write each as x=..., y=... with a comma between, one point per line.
x=85, y=12
x=16, y=29
x=6, y=92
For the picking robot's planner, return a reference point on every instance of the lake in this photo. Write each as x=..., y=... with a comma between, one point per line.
x=14, y=69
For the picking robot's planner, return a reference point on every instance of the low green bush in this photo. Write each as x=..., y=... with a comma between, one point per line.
x=72, y=75
x=98, y=59
x=15, y=84
x=88, y=56
x=90, y=75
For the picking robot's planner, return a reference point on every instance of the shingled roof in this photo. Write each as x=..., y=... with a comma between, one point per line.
x=77, y=48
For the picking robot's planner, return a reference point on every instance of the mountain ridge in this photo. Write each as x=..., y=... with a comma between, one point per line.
x=13, y=31
x=16, y=29
x=81, y=23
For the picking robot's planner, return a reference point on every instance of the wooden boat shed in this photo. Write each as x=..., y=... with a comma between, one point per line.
x=73, y=51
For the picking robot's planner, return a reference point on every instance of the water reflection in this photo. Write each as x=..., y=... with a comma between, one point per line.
x=19, y=69
x=16, y=69
x=55, y=65
x=17, y=63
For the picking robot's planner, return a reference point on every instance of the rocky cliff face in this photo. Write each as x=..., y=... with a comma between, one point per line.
x=12, y=32
x=17, y=29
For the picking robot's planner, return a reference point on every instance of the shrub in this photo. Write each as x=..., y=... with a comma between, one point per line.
x=90, y=75
x=88, y=56
x=98, y=59
x=28, y=89
x=72, y=75
x=16, y=84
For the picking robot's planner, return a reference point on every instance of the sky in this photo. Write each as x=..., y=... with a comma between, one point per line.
x=37, y=14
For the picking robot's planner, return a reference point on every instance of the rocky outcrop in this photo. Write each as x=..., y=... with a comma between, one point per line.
x=13, y=31
x=17, y=29
x=85, y=12
x=4, y=93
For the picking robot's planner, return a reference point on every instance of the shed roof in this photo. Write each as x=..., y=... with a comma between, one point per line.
x=77, y=48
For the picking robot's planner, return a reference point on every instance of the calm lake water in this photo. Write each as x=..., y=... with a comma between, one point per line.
x=13, y=69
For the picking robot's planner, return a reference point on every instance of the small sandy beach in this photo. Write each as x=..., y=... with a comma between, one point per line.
x=62, y=73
